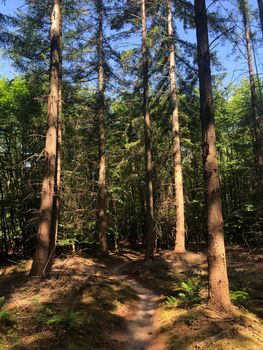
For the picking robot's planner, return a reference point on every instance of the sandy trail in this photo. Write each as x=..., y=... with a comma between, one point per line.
x=143, y=326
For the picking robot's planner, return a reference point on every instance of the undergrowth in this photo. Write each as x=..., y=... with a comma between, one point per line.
x=5, y=316
x=190, y=294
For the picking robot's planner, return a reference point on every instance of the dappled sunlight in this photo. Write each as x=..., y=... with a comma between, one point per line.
x=128, y=300
x=131, y=175
x=76, y=302
x=201, y=328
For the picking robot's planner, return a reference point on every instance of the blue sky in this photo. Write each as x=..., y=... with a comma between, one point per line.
x=235, y=69
x=9, y=7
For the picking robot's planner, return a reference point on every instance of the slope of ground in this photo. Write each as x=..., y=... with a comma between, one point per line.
x=121, y=302
x=201, y=328
x=74, y=309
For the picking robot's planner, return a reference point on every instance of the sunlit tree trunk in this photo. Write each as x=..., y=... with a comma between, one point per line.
x=57, y=196
x=218, y=288
x=178, y=174
x=255, y=110
x=102, y=156
x=48, y=186
x=149, y=219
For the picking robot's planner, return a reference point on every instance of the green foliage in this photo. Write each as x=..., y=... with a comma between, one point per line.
x=5, y=316
x=2, y=302
x=67, y=242
x=191, y=295
x=68, y=319
x=23, y=107
x=171, y=301
x=238, y=296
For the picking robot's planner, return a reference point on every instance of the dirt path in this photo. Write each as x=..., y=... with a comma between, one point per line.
x=143, y=322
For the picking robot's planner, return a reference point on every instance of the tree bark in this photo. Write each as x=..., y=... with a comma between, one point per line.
x=255, y=110
x=57, y=191
x=149, y=219
x=101, y=121
x=218, y=289
x=3, y=224
x=41, y=255
x=178, y=173
x=260, y=9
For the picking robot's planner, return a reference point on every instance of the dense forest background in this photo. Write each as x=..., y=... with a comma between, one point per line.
x=25, y=39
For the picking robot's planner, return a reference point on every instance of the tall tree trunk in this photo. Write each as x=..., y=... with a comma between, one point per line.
x=3, y=223
x=40, y=259
x=149, y=220
x=57, y=198
x=255, y=110
x=260, y=9
x=102, y=156
x=178, y=174
x=57, y=190
x=218, y=289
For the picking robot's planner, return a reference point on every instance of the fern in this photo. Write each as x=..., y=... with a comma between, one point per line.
x=68, y=320
x=171, y=301
x=190, y=295
x=238, y=296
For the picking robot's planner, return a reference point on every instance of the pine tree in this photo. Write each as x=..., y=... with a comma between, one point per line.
x=218, y=288
x=101, y=133
x=149, y=220
x=178, y=174
x=46, y=217
x=254, y=103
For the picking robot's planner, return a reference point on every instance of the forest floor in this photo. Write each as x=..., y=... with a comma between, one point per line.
x=120, y=302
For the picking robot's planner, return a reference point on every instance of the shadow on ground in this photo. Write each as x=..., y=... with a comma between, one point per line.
x=82, y=305
x=74, y=309
x=201, y=328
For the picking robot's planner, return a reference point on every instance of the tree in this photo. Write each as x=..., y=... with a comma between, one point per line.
x=178, y=175
x=101, y=133
x=218, y=289
x=254, y=104
x=260, y=9
x=47, y=209
x=149, y=220
x=57, y=189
